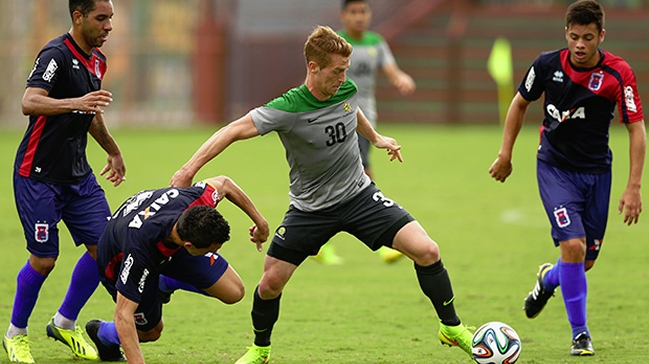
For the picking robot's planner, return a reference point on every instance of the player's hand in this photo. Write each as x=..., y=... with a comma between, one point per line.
x=405, y=84
x=92, y=102
x=180, y=179
x=258, y=236
x=115, y=165
x=391, y=145
x=631, y=205
x=501, y=169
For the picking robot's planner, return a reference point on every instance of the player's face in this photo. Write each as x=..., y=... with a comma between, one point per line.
x=583, y=42
x=329, y=79
x=97, y=24
x=356, y=17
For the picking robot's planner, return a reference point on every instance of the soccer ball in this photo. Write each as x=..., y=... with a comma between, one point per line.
x=496, y=343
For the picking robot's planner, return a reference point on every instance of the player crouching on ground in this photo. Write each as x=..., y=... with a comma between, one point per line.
x=159, y=241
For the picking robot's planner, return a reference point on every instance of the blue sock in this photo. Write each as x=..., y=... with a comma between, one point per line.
x=107, y=333
x=551, y=278
x=574, y=289
x=84, y=281
x=28, y=285
x=168, y=285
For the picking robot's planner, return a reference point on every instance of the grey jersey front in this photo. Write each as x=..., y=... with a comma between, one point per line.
x=369, y=55
x=321, y=144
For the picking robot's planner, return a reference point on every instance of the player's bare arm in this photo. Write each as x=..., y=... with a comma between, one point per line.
x=365, y=129
x=125, y=325
x=399, y=79
x=114, y=161
x=239, y=129
x=36, y=101
x=631, y=200
x=229, y=189
x=502, y=166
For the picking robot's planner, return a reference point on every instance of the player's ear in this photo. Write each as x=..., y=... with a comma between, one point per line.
x=77, y=17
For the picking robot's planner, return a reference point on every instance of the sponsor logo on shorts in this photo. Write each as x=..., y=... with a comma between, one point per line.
x=561, y=215
x=41, y=232
x=597, y=243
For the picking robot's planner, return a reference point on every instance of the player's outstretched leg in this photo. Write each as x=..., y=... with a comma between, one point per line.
x=255, y=355
x=107, y=352
x=73, y=339
x=17, y=348
x=539, y=296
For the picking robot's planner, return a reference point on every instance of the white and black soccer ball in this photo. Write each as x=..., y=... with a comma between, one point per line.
x=496, y=343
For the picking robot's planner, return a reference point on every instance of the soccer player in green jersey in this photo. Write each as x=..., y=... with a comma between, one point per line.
x=329, y=191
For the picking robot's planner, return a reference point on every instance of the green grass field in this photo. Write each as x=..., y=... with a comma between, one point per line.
x=492, y=236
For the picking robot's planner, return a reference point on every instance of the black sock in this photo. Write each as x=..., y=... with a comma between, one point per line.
x=436, y=285
x=264, y=315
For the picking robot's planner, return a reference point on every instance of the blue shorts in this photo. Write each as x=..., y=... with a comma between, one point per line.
x=82, y=207
x=200, y=271
x=576, y=204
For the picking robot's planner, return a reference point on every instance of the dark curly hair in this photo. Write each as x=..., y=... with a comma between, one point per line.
x=585, y=12
x=203, y=226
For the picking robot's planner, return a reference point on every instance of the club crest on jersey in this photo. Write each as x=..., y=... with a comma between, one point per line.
x=347, y=106
x=41, y=232
x=595, y=82
x=561, y=215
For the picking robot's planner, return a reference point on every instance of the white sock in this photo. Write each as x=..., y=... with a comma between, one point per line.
x=63, y=322
x=13, y=331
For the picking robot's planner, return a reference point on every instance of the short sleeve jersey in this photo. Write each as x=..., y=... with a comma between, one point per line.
x=134, y=249
x=321, y=144
x=53, y=148
x=579, y=106
x=369, y=55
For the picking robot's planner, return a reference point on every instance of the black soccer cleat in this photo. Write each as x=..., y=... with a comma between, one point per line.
x=106, y=352
x=536, y=300
x=582, y=345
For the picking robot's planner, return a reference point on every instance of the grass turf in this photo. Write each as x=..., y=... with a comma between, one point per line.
x=492, y=238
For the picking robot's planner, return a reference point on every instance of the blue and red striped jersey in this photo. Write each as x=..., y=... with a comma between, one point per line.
x=53, y=148
x=579, y=106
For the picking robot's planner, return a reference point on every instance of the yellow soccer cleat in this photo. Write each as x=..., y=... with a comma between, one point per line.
x=73, y=339
x=17, y=348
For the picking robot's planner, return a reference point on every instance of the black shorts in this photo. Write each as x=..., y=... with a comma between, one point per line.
x=371, y=217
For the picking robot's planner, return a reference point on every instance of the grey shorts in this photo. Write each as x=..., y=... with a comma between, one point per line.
x=369, y=216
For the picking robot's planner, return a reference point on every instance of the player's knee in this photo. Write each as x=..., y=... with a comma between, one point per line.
x=151, y=335
x=426, y=254
x=42, y=265
x=270, y=288
x=235, y=295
